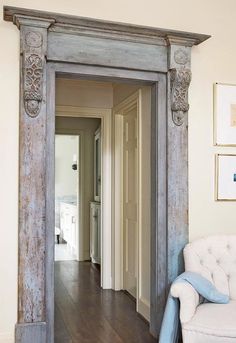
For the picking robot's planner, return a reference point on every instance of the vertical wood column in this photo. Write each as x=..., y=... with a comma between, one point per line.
x=31, y=326
x=179, y=77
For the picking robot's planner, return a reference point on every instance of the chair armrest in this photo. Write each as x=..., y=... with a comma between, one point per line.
x=189, y=299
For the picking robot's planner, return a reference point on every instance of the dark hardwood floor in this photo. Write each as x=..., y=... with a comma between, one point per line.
x=84, y=313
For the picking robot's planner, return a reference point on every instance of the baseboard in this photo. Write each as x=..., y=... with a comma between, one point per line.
x=144, y=309
x=84, y=256
x=6, y=337
x=31, y=332
x=107, y=284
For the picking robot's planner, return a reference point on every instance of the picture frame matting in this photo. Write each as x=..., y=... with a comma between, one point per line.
x=224, y=114
x=225, y=177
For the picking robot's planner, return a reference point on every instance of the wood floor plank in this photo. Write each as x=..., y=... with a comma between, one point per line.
x=61, y=333
x=84, y=313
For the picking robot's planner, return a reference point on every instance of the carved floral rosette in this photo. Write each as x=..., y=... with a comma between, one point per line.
x=180, y=80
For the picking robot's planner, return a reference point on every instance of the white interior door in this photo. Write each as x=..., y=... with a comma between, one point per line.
x=130, y=201
x=133, y=197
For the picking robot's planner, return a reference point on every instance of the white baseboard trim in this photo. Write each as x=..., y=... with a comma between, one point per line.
x=84, y=256
x=6, y=337
x=144, y=308
x=107, y=284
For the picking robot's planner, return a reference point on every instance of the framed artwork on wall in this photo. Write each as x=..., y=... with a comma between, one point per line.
x=225, y=177
x=224, y=114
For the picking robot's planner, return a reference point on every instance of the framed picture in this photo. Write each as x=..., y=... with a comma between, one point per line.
x=225, y=189
x=224, y=114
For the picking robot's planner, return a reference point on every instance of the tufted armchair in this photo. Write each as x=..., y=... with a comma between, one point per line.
x=214, y=258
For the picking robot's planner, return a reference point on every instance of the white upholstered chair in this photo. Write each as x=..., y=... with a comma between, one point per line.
x=213, y=257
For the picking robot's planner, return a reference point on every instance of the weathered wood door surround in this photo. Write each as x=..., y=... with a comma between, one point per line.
x=53, y=44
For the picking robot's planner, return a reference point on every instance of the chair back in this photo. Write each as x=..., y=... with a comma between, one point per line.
x=214, y=257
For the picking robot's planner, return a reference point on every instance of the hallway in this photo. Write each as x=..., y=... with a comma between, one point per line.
x=84, y=313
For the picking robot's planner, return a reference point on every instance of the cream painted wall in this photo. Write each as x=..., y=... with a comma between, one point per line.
x=212, y=61
x=121, y=91
x=84, y=93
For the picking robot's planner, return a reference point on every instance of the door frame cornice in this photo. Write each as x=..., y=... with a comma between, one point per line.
x=105, y=28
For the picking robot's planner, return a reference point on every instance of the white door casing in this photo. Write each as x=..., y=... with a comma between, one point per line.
x=97, y=165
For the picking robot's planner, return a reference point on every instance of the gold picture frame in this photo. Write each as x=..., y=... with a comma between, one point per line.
x=224, y=114
x=225, y=177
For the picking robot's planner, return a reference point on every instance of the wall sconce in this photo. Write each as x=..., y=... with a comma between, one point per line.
x=74, y=164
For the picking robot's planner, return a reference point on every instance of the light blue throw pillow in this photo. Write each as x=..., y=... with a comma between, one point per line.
x=204, y=287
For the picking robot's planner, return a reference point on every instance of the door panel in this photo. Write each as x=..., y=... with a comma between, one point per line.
x=130, y=205
x=135, y=160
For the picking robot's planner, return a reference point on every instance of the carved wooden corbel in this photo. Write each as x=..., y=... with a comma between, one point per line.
x=180, y=79
x=33, y=51
x=33, y=73
x=179, y=57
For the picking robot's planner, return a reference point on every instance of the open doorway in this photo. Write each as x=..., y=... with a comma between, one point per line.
x=66, y=197
x=110, y=170
x=75, y=165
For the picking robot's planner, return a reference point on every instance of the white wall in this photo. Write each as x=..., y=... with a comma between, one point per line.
x=212, y=61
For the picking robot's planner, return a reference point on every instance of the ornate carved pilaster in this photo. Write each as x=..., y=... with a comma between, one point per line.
x=31, y=324
x=179, y=77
